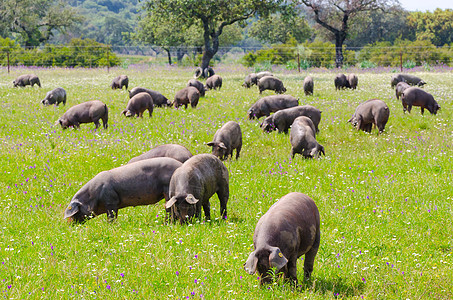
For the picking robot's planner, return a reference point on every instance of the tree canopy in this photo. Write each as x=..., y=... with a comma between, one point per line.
x=278, y=28
x=211, y=16
x=35, y=21
x=436, y=27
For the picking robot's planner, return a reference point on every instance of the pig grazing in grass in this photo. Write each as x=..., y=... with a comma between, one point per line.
x=283, y=119
x=27, y=79
x=138, y=104
x=373, y=111
x=341, y=82
x=198, y=85
x=175, y=151
x=271, y=83
x=353, y=81
x=159, y=100
x=185, y=96
x=308, y=85
x=415, y=96
x=288, y=230
x=226, y=139
x=214, y=82
x=87, y=112
x=303, y=138
x=194, y=183
x=268, y=104
x=55, y=96
x=408, y=78
x=140, y=183
x=400, y=88
x=119, y=82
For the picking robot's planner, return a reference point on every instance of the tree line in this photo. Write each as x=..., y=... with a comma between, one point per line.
x=207, y=25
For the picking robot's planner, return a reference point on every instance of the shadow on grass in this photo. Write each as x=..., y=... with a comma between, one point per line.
x=338, y=287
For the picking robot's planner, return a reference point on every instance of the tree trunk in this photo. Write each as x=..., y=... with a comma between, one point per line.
x=180, y=54
x=206, y=59
x=169, y=55
x=338, y=52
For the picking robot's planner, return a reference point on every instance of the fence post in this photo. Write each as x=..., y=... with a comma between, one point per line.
x=401, y=61
x=7, y=55
x=298, y=61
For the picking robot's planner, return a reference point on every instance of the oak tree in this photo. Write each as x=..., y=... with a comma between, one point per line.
x=336, y=16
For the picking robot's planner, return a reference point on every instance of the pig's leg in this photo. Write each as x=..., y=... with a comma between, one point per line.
x=224, y=194
x=111, y=201
x=310, y=256
x=206, y=209
x=292, y=269
x=238, y=150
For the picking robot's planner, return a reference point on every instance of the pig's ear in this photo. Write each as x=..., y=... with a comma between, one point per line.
x=250, y=264
x=191, y=199
x=170, y=202
x=210, y=144
x=222, y=145
x=72, y=209
x=277, y=259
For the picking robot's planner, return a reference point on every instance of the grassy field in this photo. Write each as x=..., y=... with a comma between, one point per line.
x=385, y=200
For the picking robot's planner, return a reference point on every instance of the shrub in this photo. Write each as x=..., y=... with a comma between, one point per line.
x=78, y=53
x=366, y=64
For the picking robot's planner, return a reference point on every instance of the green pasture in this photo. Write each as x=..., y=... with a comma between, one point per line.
x=385, y=200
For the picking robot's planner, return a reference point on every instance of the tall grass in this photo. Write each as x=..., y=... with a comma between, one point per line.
x=385, y=200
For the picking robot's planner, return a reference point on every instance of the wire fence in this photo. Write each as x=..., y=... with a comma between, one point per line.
x=300, y=57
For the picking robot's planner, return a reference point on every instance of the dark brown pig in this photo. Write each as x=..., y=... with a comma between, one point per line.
x=119, y=82
x=198, y=85
x=268, y=104
x=159, y=100
x=226, y=139
x=185, y=96
x=408, y=78
x=400, y=88
x=214, y=82
x=140, y=183
x=308, y=85
x=194, y=183
x=138, y=104
x=283, y=119
x=271, y=83
x=178, y=152
x=55, y=96
x=371, y=112
x=415, y=96
x=27, y=79
x=303, y=138
x=341, y=82
x=288, y=230
x=87, y=112
x=353, y=81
